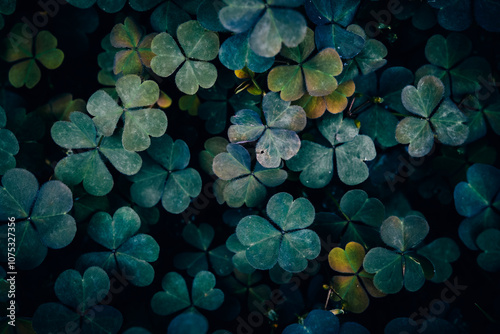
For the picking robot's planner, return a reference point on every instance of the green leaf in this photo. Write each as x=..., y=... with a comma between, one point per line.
x=213, y=146
x=106, y=111
x=316, y=163
x=404, y=234
x=197, y=42
x=47, y=52
x=348, y=287
x=387, y=268
x=291, y=245
x=423, y=99
x=135, y=94
x=9, y=147
x=203, y=293
x=129, y=253
x=41, y=216
x=448, y=124
x=195, y=74
x=165, y=177
x=199, y=237
x=441, y=252
x=188, y=323
x=175, y=296
x=478, y=193
x=79, y=133
x=168, y=55
x=82, y=292
x=289, y=214
x=447, y=52
x=351, y=158
x=417, y=133
x=489, y=242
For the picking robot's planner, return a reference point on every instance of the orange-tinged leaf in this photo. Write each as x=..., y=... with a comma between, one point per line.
x=349, y=260
x=350, y=290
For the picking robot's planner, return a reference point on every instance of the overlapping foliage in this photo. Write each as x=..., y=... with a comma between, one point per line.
x=267, y=166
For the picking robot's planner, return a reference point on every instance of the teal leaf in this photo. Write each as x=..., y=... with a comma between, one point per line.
x=440, y=253
x=203, y=293
x=287, y=242
x=199, y=46
x=404, y=234
x=488, y=241
x=88, y=167
x=235, y=53
x=175, y=296
x=244, y=186
x=166, y=177
x=279, y=139
x=41, y=216
x=393, y=269
x=447, y=121
x=128, y=253
x=82, y=292
x=188, y=323
x=351, y=158
x=317, y=321
x=360, y=219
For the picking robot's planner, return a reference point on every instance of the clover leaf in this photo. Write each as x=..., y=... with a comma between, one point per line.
x=278, y=138
x=335, y=102
x=287, y=242
x=440, y=253
x=489, y=241
x=478, y=200
x=88, y=166
x=239, y=258
x=480, y=111
x=25, y=53
x=377, y=102
x=175, y=296
x=315, y=76
x=435, y=117
x=213, y=146
x=128, y=253
x=79, y=308
x=188, y=323
x=201, y=238
x=41, y=216
x=447, y=57
x=317, y=321
x=368, y=60
x=9, y=146
x=164, y=176
x=235, y=53
x=135, y=49
x=141, y=121
x=348, y=287
x=244, y=186
x=393, y=269
x=218, y=101
x=199, y=46
x=246, y=287
x=348, y=149
x=271, y=23
x=168, y=16
x=359, y=221
x=331, y=18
